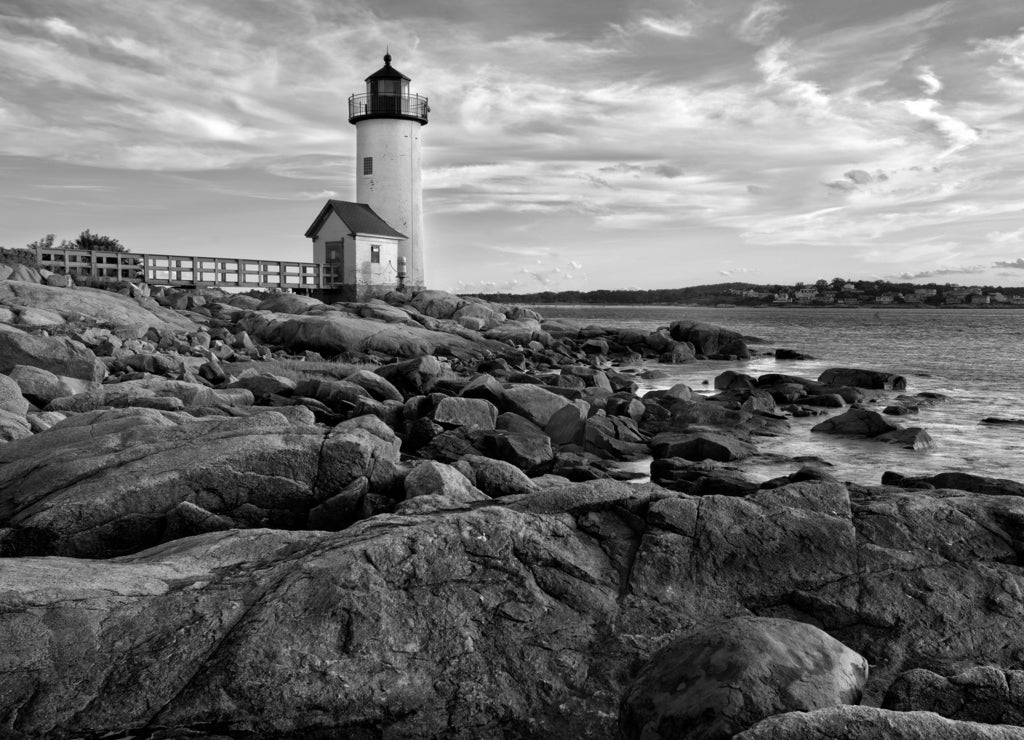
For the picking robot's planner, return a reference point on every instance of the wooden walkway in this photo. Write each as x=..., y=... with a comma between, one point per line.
x=169, y=269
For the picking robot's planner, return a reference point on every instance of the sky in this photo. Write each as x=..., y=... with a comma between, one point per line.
x=572, y=145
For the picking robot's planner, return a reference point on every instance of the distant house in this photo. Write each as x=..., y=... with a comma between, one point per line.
x=359, y=245
x=978, y=299
x=781, y=298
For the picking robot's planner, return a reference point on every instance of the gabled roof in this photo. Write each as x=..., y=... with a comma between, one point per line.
x=358, y=217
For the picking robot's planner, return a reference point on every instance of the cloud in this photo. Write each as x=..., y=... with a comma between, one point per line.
x=547, y=271
x=135, y=48
x=60, y=27
x=855, y=179
x=942, y=272
x=522, y=251
x=668, y=170
x=1010, y=49
x=842, y=185
x=860, y=176
x=775, y=62
x=760, y=22
x=958, y=133
x=679, y=27
x=1005, y=237
x=665, y=169
x=1017, y=264
x=939, y=253
x=553, y=276
x=930, y=84
x=63, y=186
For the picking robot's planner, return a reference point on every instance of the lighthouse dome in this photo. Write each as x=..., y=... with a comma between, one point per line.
x=387, y=72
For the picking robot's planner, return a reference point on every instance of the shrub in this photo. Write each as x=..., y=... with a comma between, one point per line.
x=260, y=295
x=85, y=241
x=25, y=257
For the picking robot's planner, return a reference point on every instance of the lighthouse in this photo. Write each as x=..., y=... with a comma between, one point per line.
x=388, y=119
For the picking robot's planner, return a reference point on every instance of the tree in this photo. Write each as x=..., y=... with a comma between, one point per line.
x=47, y=243
x=85, y=241
x=88, y=240
x=821, y=285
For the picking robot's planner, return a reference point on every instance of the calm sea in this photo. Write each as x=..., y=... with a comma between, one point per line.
x=975, y=356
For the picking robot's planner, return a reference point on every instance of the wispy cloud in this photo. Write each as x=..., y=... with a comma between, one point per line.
x=1009, y=49
x=942, y=272
x=930, y=83
x=60, y=27
x=761, y=21
x=1006, y=237
x=958, y=133
x=63, y=186
x=679, y=27
x=1017, y=264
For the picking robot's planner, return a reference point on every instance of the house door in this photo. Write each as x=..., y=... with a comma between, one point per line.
x=336, y=260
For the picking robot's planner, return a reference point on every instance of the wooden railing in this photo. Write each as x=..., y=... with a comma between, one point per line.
x=169, y=269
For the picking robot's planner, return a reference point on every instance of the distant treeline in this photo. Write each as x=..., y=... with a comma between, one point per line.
x=667, y=296
x=718, y=293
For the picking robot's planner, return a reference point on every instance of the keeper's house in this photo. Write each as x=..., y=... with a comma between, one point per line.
x=360, y=247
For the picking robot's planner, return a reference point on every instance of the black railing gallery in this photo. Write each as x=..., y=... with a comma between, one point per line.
x=370, y=105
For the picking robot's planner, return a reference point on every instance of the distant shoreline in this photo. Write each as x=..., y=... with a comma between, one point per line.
x=838, y=294
x=861, y=307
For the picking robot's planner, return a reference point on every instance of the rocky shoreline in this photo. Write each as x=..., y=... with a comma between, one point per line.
x=226, y=517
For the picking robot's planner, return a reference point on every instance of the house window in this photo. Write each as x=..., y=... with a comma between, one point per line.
x=367, y=165
x=375, y=254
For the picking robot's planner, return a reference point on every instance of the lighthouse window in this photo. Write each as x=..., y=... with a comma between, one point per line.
x=367, y=165
x=375, y=254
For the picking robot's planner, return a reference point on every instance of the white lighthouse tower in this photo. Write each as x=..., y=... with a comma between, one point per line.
x=388, y=120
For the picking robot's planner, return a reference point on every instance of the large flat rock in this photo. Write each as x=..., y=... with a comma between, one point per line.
x=519, y=620
x=869, y=723
x=333, y=332
x=105, y=482
x=100, y=306
x=58, y=355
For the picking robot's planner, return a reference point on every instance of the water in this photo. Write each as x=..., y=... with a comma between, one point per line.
x=971, y=355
